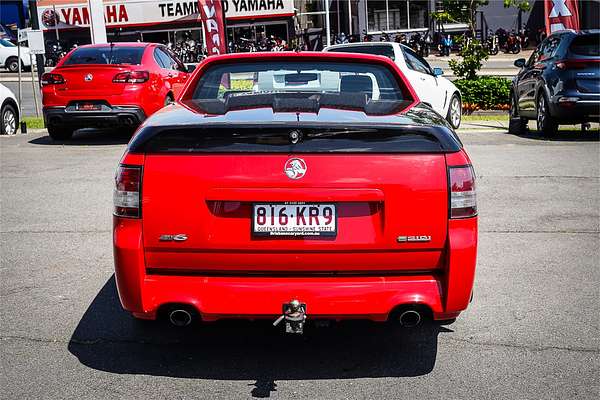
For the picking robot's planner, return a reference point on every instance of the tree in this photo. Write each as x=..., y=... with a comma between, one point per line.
x=522, y=5
x=472, y=55
x=460, y=11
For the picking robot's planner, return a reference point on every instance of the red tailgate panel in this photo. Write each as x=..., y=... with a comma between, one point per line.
x=379, y=197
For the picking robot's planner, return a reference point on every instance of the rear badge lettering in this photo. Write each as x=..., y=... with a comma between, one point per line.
x=173, y=238
x=418, y=238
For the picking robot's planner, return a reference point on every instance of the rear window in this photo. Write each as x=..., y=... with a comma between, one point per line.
x=378, y=50
x=297, y=86
x=106, y=55
x=586, y=45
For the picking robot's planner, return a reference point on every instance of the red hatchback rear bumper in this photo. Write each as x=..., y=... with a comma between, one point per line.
x=446, y=293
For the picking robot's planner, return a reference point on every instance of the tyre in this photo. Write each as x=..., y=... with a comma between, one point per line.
x=517, y=125
x=454, y=115
x=60, y=133
x=9, y=121
x=12, y=64
x=546, y=125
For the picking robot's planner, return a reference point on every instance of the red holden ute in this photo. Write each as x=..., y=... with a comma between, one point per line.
x=109, y=85
x=295, y=187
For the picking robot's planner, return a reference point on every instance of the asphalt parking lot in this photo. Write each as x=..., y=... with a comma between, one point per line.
x=532, y=331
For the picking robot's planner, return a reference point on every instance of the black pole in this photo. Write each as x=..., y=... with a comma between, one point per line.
x=35, y=24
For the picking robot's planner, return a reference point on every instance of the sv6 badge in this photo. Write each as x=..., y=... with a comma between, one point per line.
x=173, y=238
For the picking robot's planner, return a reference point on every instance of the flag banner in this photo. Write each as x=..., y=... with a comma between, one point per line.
x=561, y=15
x=211, y=14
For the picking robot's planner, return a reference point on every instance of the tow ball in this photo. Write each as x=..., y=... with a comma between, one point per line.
x=294, y=315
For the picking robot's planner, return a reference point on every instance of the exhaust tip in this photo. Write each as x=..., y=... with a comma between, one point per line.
x=180, y=317
x=410, y=318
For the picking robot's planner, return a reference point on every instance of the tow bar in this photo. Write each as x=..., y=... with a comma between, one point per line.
x=294, y=314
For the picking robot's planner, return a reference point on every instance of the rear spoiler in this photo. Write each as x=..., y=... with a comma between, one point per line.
x=298, y=137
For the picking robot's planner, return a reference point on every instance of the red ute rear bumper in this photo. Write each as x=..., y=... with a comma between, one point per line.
x=446, y=293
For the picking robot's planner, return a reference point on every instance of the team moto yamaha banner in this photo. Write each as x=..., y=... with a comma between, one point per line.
x=561, y=15
x=211, y=13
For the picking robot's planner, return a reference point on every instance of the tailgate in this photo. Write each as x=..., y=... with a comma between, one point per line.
x=378, y=198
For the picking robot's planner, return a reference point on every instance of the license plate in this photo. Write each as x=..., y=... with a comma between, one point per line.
x=88, y=107
x=294, y=219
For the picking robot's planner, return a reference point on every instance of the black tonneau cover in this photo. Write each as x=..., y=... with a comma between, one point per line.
x=299, y=138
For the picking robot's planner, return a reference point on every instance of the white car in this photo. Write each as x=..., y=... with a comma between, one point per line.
x=9, y=111
x=9, y=56
x=431, y=87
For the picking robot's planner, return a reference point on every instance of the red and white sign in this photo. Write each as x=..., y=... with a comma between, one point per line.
x=64, y=14
x=212, y=17
x=561, y=15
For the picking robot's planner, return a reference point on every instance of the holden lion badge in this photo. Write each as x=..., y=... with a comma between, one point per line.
x=295, y=168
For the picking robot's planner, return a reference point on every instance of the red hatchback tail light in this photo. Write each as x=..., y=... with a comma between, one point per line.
x=463, y=199
x=126, y=197
x=52, y=79
x=131, y=77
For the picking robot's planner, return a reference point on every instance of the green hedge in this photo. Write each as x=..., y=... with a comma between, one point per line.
x=486, y=93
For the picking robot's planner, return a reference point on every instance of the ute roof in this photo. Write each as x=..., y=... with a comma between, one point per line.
x=117, y=44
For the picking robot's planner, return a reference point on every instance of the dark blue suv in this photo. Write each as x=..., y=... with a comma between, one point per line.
x=559, y=84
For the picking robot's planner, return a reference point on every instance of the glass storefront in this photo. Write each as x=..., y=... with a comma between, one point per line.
x=249, y=37
x=396, y=15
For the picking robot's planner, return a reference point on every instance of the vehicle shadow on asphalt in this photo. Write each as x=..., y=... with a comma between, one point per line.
x=88, y=137
x=563, y=136
x=109, y=339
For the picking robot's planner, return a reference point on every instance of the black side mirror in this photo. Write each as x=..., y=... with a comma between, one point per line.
x=520, y=63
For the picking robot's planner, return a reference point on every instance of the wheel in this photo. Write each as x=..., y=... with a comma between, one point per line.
x=546, y=125
x=517, y=125
x=454, y=111
x=494, y=51
x=9, y=121
x=12, y=64
x=60, y=133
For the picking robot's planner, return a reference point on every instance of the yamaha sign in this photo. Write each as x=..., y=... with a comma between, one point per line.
x=64, y=14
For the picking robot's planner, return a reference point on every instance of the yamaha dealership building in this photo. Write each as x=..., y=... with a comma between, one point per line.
x=171, y=21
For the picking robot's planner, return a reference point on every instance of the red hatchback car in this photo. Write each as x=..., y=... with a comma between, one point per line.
x=109, y=85
x=295, y=186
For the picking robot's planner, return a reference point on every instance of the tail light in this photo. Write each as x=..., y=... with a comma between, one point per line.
x=463, y=200
x=571, y=64
x=131, y=77
x=126, y=197
x=52, y=79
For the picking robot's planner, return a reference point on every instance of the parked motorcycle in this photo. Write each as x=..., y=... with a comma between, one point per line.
x=513, y=44
x=491, y=44
x=418, y=44
x=341, y=38
x=524, y=38
x=366, y=36
x=54, y=53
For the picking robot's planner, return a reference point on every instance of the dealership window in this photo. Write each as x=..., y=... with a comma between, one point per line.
x=396, y=15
